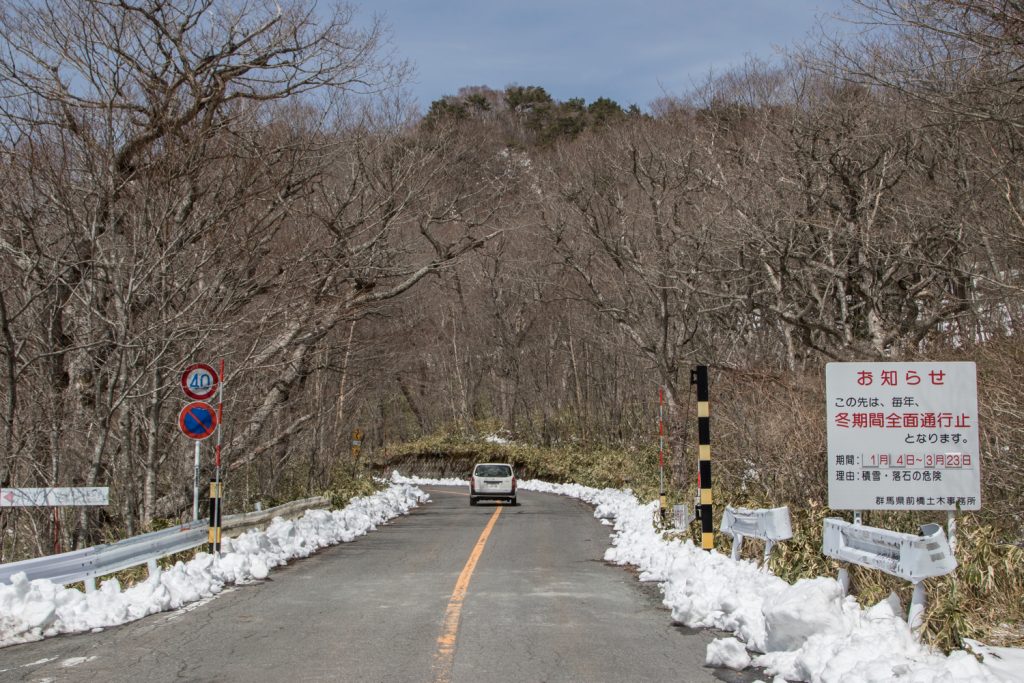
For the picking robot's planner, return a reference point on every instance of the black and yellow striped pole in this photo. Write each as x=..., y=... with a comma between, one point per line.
x=699, y=376
x=216, y=489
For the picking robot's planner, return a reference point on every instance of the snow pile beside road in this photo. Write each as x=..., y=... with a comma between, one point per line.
x=397, y=478
x=807, y=631
x=32, y=610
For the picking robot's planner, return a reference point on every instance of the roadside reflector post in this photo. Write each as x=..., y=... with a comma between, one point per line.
x=699, y=377
x=214, y=534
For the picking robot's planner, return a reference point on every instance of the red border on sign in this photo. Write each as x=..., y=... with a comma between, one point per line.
x=195, y=394
x=198, y=436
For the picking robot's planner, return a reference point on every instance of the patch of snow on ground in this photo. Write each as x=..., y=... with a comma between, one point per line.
x=729, y=653
x=75, y=661
x=32, y=610
x=806, y=631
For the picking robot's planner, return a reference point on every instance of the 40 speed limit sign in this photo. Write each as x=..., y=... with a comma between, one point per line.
x=199, y=381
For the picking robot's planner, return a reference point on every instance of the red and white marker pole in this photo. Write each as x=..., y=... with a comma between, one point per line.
x=661, y=450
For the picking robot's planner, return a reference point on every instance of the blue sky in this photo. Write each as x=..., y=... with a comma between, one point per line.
x=632, y=52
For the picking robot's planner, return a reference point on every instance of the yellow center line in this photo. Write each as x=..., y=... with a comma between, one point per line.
x=445, y=654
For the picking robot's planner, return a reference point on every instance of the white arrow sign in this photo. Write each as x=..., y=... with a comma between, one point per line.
x=55, y=497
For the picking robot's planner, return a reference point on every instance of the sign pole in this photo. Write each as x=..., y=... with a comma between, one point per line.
x=195, y=486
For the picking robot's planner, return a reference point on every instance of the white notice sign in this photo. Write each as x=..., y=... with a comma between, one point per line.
x=54, y=497
x=903, y=436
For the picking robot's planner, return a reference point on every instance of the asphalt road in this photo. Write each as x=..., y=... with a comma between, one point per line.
x=449, y=594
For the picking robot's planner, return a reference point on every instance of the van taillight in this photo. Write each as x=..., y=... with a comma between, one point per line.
x=513, y=483
x=472, y=483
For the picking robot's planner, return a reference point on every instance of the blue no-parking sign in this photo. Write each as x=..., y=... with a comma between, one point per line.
x=197, y=420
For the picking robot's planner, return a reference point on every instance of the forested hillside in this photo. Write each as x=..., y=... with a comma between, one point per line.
x=191, y=181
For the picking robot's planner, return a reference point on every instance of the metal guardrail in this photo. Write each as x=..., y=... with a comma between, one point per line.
x=100, y=560
x=249, y=520
x=909, y=557
x=770, y=525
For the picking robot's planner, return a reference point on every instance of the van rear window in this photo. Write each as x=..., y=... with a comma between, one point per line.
x=493, y=471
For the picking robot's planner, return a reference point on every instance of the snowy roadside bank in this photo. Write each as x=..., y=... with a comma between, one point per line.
x=32, y=610
x=805, y=631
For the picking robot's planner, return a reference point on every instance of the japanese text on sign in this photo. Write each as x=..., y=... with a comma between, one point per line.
x=903, y=436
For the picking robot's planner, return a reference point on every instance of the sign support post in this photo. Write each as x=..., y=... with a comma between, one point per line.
x=195, y=487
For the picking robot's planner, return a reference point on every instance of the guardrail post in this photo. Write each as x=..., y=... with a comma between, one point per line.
x=90, y=584
x=737, y=546
x=216, y=488
x=915, y=615
x=844, y=580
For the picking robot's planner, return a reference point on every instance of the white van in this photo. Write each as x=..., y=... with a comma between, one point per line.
x=492, y=481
